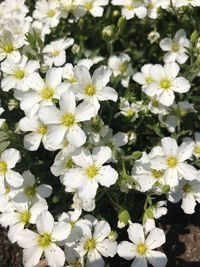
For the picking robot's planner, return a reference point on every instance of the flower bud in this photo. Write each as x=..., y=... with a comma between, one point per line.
x=123, y=218
x=112, y=236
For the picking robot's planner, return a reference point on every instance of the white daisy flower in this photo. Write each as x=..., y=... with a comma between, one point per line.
x=35, y=244
x=90, y=172
x=63, y=124
x=141, y=248
x=94, y=7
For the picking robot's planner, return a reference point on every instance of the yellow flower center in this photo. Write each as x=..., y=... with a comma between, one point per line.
x=150, y=6
x=90, y=90
x=130, y=7
x=149, y=80
x=197, y=149
x=141, y=249
x=92, y=171
x=157, y=174
x=3, y=167
x=42, y=130
x=30, y=191
x=8, y=48
x=25, y=216
x=90, y=244
x=51, y=13
x=72, y=79
x=44, y=241
x=187, y=188
x=175, y=47
x=88, y=5
x=165, y=84
x=130, y=113
x=47, y=93
x=19, y=74
x=68, y=120
x=55, y=53
x=172, y=161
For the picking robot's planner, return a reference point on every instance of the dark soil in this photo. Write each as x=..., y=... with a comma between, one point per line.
x=182, y=247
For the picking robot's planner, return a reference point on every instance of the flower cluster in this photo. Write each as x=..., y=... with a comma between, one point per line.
x=90, y=130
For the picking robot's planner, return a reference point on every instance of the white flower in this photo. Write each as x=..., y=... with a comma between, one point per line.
x=89, y=172
x=63, y=124
x=189, y=192
x=166, y=83
x=42, y=91
x=176, y=48
x=35, y=244
x=9, y=45
x=94, y=7
x=22, y=214
x=196, y=143
x=47, y=12
x=8, y=160
x=54, y=53
x=141, y=248
x=87, y=204
x=130, y=8
x=94, y=89
x=173, y=161
x=33, y=191
x=120, y=66
x=17, y=75
x=144, y=77
x=96, y=244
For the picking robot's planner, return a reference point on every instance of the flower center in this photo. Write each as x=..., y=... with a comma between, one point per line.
x=141, y=249
x=19, y=74
x=68, y=120
x=172, y=162
x=47, y=93
x=8, y=48
x=55, y=53
x=30, y=191
x=51, y=13
x=149, y=80
x=123, y=67
x=3, y=167
x=88, y=5
x=165, y=84
x=44, y=240
x=157, y=174
x=92, y=171
x=130, y=113
x=130, y=7
x=150, y=6
x=42, y=130
x=187, y=188
x=25, y=216
x=7, y=189
x=197, y=149
x=90, y=90
x=175, y=47
x=90, y=244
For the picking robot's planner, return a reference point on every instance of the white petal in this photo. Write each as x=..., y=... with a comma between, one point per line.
x=53, y=77
x=32, y=141
x=155, y=238
x=27, y=239
x=169, y=145
x=56, y=135
x=50, y=115
x=14, y=178
x=95, y=259
x=11, y=156
x=157, y=258
x=85, y=112
x=126, y=250
x=139, y=262
x=107, y=176
x=107, y=248
x=82, y=75
x=45, y=222
x=76, y=136
x=55, y=256
x=67, y=102
x=61, y=231
x=101, y=154
x=88, y=189
x=188, y=203
x=72, y=179
x=44, y=190
x=101, y=231
x=187, y=171
x=14, y=230
x=101, y=76
x=31, y=256
x=165, y=44
x=185, y=151
x=181, y=85
x=107, y=93
x=82, y=157
x=136, y=233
